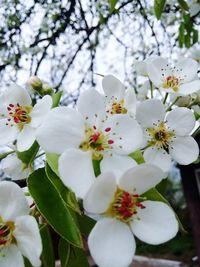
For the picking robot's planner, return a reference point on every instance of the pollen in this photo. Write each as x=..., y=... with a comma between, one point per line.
x=6, y=233
x=117, y=107
x=171, y=82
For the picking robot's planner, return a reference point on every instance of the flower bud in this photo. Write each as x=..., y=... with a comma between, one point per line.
x=35, y=83
x=46, y=89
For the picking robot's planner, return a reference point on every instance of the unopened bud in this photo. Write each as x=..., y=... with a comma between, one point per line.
x=35, y=83
x=47, y=89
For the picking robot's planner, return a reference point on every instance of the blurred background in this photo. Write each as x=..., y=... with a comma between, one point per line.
x=70, y=44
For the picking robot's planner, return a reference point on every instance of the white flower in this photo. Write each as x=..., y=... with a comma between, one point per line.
x=181, y=78
x=118, y=100
x=19, y=233
x=86, y=136
x=167, y=135
x=141, y=66
x=15, y=168
x=18, y=119
x=124, y=212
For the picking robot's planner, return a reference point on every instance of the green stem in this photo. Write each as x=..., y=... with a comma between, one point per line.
x=4, y=155
x=165, y=99
x=169, y=108
x=196, y=132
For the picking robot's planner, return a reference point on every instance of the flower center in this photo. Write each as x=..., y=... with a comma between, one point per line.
x=97, y=142
x=19, y=115
x=6, y=233
x=160, y=136
x=171, y=82
x=117, y=108
x=125, y=206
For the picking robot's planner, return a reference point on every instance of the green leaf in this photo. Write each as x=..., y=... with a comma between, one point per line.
x=48, y=257
x=86, y=224
x=181, y=37
x=195, y=36
x=71, y=256
x=52, y=160
x=56, y=98
x=159, y=7
x=27, y=263
x=154, y=195
x=67, y=195
x=28, y=156
x=137, y=156
x=187, y=40
x=183, y=4
x=53, y=208
x=112, y=5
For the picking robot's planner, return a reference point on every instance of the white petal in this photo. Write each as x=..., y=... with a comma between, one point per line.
x=63, y=128
x=157, y=223
x=112, y=87
x=189, y=88
x=125, y=132
x=14, y=167
x=181, y=120
x=156, y=68
x=7, y=133
x=118, y=164
x=187, y=69
x=141, y=178
x=76, y=170
x=11, y=257
x=40, y=110
x=13, y=206
x=158, y=157
x=130, y=101
x=91, y=105
x=28, y=239
x=111, y=243
x=149, y=112
x=184, y=150
x=100, y=194
x=26, y=138
x=17, y=94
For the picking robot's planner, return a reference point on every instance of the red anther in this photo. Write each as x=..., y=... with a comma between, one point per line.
x=16, y=120
x=11, y=105
x=9, y=119
x=110, y=142
x=95, y=137
x=136, y=195
x=94, y=127
x=8, y=108
x=107, y=129
x=2, y=232
x=2, y=242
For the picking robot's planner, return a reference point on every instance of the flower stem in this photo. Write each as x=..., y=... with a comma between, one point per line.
x=165, y=99
x=169, y=108
x=39, y=155
x=151, y=86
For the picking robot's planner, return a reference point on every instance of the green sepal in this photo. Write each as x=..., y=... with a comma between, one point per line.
x=47, y=257
x=154, y=195
x=56, y=98
x=71, y=256
x=137, y=156
x=28, y=156
x=67, y=195
x=53, y=208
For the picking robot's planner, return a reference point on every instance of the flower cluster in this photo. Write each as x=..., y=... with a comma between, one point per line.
x=103, y=157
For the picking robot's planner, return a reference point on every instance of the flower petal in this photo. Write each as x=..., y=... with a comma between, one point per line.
x=149, y=112
x=156, y=68
x=130, y=101
x=158, y=157
x=125, y=132
x=118, y=164
x=181, y=120
x=40, y=110
x=63, y=128
x=10, y=256
x=100, y=193
x=113, y=88
x=28, y=239
x=17, y=94
x=189, y=88
x=7, y=133
x=26, y=138
x=184, y=150
x=76, y=170
x=157, y=223
x=91, y=104
x=187, y=69
x=111, y=243
x=13, y=206
x=141, y=178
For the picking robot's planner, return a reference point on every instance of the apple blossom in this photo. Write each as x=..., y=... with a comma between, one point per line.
x=87, y=135
x=167, y=135
x=124, y=212
x=180, y=78
x=19, y=119
x=19, y=232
